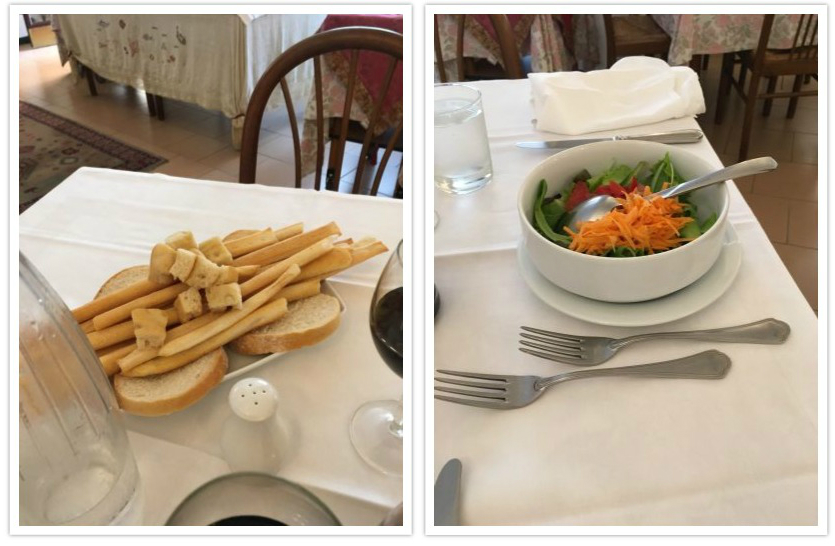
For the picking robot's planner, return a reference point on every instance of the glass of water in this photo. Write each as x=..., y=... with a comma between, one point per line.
x=462, y=156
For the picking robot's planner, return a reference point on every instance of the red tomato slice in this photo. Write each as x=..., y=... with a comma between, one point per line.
x=579, y=193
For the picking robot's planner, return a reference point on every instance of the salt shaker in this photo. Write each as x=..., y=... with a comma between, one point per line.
x=253, y=436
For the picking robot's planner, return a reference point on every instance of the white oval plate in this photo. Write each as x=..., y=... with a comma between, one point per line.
x=243, y=364
x=677, y=305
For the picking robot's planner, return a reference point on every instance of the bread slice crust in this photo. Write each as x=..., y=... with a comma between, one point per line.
x=321, y=312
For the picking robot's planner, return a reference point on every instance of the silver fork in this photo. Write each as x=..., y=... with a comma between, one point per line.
x=517, y=391
x=591, y=351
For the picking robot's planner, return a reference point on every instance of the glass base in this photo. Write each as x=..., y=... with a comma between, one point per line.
x=461, y=185
x=377, y=437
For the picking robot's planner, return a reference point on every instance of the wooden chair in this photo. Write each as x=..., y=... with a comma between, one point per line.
x=628, y=35
x=480, y=69
x=439, y=56
x=354, y=39
x=801, y=60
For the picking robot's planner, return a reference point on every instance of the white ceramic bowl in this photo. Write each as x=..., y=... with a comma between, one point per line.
x=622, y=279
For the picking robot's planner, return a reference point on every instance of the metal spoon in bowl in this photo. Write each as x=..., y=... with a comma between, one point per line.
x=598, y=206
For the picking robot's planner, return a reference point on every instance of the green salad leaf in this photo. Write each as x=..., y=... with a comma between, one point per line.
x=546, y=215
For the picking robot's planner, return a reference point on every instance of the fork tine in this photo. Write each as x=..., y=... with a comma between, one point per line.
x=553, y=342
x=489, y=404
x=552, y=350
x=555, y=358
x=472, y=375
x=475, y=394
x=557, y=335
x=493, y=386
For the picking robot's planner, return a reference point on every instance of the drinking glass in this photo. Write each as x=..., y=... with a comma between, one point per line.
x=76, y=467
x=251, y=498
x=462, y=156
x=377, y=427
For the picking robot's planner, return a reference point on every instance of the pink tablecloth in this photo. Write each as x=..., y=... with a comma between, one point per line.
x=704, y=34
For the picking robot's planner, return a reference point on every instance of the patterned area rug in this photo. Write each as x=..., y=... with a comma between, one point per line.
x=52, y=148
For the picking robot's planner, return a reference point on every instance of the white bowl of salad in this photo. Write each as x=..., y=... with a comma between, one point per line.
x=648, y=247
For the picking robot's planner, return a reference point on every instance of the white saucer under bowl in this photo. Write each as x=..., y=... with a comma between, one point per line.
x=677, y=305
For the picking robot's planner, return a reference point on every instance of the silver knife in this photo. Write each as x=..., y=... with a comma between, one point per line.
x=447, y=489
x=687, y=136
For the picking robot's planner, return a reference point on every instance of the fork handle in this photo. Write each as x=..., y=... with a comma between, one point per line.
x=710, y=364
x=768, y=331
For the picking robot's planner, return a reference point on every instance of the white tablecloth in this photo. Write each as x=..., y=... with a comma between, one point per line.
x=99, y=221
x=618, y=451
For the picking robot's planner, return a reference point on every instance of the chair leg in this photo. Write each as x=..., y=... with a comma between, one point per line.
x=747, y=124
x=91, y=81
x=696, y=63
x=798, y=81
x=159, y=107
x=772, y=85
x=724, y=87
x=152, y=107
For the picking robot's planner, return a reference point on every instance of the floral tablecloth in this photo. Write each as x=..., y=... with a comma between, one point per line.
x=549, y=39
x=702, y=34
x=371, y=73
x=210, y=60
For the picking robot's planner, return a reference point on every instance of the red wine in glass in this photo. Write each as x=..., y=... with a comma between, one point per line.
x=387, y=328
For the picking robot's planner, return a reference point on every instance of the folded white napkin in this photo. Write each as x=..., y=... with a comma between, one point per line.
x=635, y=91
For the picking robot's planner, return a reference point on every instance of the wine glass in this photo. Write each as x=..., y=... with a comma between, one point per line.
x=377, y=427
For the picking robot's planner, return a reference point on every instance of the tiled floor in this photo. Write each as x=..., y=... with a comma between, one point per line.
x=786, y=200
x=196, y=142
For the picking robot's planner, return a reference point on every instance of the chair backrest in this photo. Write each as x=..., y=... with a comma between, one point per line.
x=511, y=59
x=353, y=39
x=609, y=29
x=439, y=55
x=802, y=57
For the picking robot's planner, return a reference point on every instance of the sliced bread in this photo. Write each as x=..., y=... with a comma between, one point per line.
x=308, y=321
x=172, y=391
x=123, y=278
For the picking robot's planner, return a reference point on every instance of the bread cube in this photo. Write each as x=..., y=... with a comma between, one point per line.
x=188, y=305
x=204, y=274
x=224, y=295
x=216, y=251
x=183, y=264
x=227, y=274
x=149, y=327
x=162, y=258
x=181, y=239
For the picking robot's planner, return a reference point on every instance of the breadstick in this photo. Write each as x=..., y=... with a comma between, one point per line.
x=109, y=361
x=289, y=231
x=247, y=271
x=149, y=301
x=251, y=243
x=87, y=326
x=299, y=291
x=137, y=357
x=284, y=249
x=270, y=312
x=338, y=258
x=123, y=331
x=117, y=298
x=300, y=259
x=229, y=318
x=238, y=235
x=358, y=255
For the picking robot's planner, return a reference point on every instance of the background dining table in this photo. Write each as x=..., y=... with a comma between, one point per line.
x=618, y=451
x=548, y=39
x=99, y=221
x=706, y=34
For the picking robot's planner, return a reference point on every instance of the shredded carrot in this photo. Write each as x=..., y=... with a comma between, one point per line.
x=642, y=224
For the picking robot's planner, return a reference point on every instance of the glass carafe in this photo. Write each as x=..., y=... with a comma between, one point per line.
x=76, y=467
